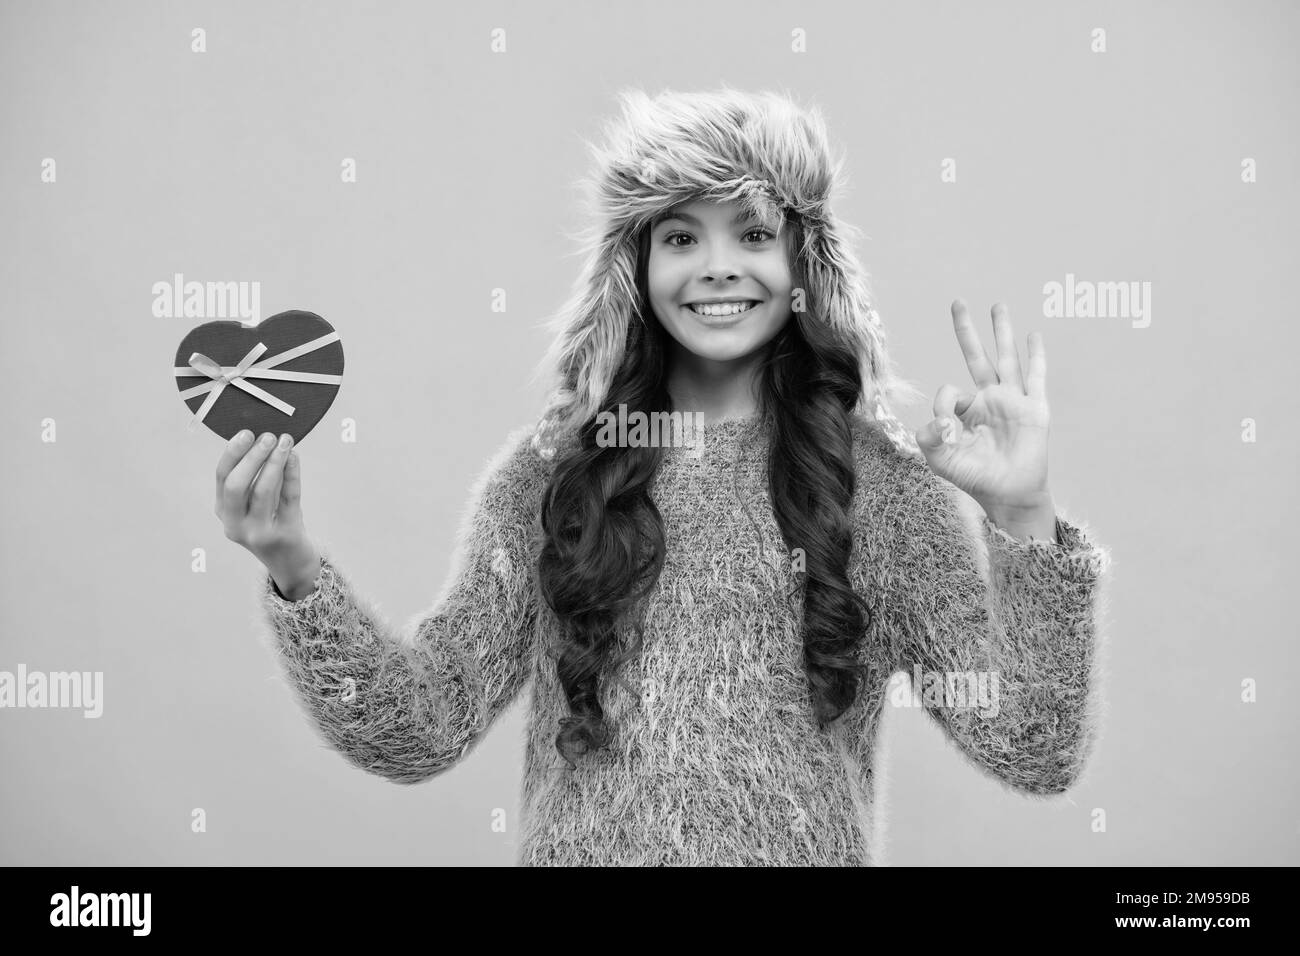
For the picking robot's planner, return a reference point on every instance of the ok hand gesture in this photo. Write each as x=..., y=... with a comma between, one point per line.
x=991, y=442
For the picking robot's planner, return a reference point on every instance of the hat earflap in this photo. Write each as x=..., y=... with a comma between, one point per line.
x=590, y=337
x=839, y=290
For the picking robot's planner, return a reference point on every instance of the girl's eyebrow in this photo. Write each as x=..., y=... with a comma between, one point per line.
x=736, y=220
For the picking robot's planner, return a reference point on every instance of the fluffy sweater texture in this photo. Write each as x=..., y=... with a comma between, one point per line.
x=716, y=758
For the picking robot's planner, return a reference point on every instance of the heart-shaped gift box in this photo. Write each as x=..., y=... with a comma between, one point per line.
x=278, y=376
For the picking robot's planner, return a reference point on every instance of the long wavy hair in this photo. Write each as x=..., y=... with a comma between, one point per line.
x=603, y=546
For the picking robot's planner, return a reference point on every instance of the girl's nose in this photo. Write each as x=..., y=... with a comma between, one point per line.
x=720, y=261
x=717, y=269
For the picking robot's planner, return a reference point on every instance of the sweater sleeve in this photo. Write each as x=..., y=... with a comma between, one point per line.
x=969, y=606
x=409, y=705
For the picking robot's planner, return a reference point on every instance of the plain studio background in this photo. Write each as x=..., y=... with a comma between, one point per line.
x=1122, y=166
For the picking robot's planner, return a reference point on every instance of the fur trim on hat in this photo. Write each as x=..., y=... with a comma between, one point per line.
x=762, y=150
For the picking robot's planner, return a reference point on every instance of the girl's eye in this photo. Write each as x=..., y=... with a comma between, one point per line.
x=764, y=235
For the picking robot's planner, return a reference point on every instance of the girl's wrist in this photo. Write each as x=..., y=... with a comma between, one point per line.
x=1031, y=518
x=295, y=572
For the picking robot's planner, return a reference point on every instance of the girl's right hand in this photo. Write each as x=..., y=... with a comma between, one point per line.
x=261, y=510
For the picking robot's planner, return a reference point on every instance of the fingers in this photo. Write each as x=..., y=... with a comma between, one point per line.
x=938, y=433
x=234, y=452
x=291, y=488
x=946, y=427
x=266, y=488
x=950, y=400
x=1008, y=354
x=232, y=492
x=977, y=360
x=1036, y=378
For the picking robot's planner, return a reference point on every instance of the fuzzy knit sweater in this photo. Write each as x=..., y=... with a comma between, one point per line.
x=716, y=758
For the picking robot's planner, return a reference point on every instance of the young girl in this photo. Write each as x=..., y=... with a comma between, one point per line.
x=709, y=625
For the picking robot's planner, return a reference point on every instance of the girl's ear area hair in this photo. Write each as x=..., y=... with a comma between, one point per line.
x=793, y=235
x=643, y=268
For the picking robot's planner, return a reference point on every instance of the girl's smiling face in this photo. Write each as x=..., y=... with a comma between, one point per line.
x=703, y=251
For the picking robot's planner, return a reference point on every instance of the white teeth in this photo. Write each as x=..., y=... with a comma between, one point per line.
x=722, y=308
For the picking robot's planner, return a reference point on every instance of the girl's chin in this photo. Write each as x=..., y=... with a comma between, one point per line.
x=715, y=347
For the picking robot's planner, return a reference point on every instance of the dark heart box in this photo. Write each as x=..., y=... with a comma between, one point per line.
x=278, y=376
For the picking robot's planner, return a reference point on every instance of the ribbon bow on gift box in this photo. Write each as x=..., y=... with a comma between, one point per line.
x=237, y=375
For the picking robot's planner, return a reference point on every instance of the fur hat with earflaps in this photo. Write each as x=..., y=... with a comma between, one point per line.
x=761, y=150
